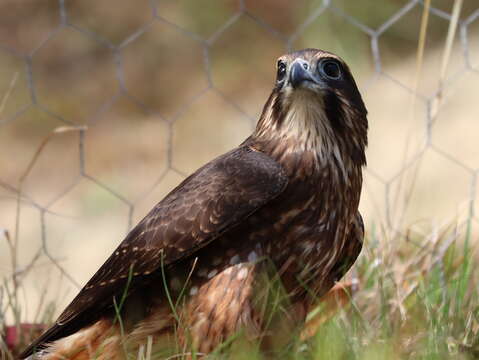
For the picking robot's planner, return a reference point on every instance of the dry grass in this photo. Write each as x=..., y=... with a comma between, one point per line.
x=411, y=298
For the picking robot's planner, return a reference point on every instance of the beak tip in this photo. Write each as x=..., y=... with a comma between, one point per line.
x=298, y=75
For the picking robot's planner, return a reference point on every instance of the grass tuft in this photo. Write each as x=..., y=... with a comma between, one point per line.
x=417, y=300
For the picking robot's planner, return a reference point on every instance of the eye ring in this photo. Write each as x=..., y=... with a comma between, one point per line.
x=331, y=69
x=281, y=70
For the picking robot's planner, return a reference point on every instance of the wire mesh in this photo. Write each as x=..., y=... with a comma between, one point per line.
x=79, y=168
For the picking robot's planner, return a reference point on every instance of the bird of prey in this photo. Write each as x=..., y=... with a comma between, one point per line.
x=281, y=209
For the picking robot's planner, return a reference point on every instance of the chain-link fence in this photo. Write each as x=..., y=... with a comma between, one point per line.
x=106, y=106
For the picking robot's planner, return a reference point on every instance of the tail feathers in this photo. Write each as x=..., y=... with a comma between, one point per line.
x=41, y=342
x=88, y=343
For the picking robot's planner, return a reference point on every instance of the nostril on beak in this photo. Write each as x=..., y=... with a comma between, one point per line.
x=299, y=73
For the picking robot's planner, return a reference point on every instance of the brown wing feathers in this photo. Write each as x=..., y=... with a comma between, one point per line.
x=310, y=138
x=205, y=205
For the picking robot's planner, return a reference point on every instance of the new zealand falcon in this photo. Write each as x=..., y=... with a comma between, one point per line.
x=280, y=212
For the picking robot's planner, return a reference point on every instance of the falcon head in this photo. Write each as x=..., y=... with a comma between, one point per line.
x=316, y=105
x=314, y=70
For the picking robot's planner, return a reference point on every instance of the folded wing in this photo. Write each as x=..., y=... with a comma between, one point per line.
x=217, y=197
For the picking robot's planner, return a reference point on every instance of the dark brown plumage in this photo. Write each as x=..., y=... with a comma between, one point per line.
x=281, y=208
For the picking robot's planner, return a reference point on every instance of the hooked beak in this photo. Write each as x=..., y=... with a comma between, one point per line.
x=299, y=74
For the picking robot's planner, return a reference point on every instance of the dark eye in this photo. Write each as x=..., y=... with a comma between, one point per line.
x=281, y=70
x=331, y=69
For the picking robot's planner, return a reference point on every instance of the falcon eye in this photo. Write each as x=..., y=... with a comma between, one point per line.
x=281, y=70
x=331, y=69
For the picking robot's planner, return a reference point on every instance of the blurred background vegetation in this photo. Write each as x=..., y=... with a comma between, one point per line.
x=151, y=90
